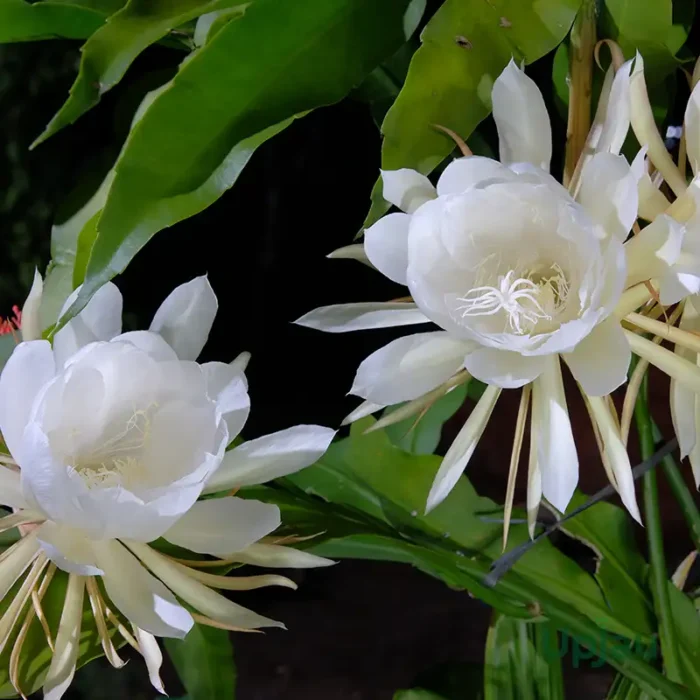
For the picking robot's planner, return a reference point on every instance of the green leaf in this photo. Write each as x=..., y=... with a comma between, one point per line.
x=686, y=621
x=20, y=21
x=648, y=27
x=204, y=662
x=423, y=436
x=417, y=694
x=108, y=53
x=465, y=46
x=228, y=92
x=522, y=661
x=621, y=570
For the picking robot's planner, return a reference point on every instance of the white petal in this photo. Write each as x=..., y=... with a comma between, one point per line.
x=31, y=322
x=221, y=526
x=341, y=318
x=197, y=595
x=534, y=475
x=524, y=131
x=386, y=246
x=601, y=360
x=274, y=556
x=29, y=368
x=152, y=655
x=608, y=192
x=366, y=408
x=683, y=399
x=506, y=369
x=227, y=386
x=674, y=286
x=150, y=342
x=462, y=448
x=616, y=453
x=271, y=457
x=692, y=129
x=409, y=367
x=656, y=247
x=69, y=549
x=11, y=488
x=101, y=319
x=65, y=656
x=652, y=202
x=464, y=173
x=407, y=189
x=616, y=121
x=185, y=318
x=557, y=458
x=15, y=561
x=140, y=597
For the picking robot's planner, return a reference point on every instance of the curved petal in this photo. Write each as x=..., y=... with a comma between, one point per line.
x=152, y=656
x=150, y=342
x=464, y=173
x=227, y=386
x=653, y=250
x=366, y=408
x=185, y=318
x=101, y=319
x=462, y=448
x=524, y=131
x=197, y=595
x=506, y=369
x=601, y=360
x=11, y=489
x=409, y=367
x=557, y=458
x=386, y=246
x=652, y=202
x=221, y=526
x=691, y=130
x=68, y=548
x=65, y=657
x=138, y=595
x=341, y=318
x=31, y=322
x=609, y=193
x=407, y=189
x=30, y=367
x=271, y=457
x=275, y=556
x=616, y=117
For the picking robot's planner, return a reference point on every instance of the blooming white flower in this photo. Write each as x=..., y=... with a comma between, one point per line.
x=517, y=272
x=112, y=439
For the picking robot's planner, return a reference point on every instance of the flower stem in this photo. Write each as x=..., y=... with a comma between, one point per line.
x=657, y=560
x=680, y=490
x=583, y=38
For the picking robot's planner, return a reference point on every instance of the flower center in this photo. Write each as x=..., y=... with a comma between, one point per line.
x=525, y=298
x=118, y=461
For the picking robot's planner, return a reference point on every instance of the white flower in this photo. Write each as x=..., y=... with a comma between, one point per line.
x=113, y=437
x=516, y=272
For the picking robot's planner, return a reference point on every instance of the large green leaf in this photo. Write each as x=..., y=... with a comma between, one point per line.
x=621, y=570
x=686, y=621
x=650, y=28
x=398, y=484
x=108, y=53
x=315, y=52
x=204, y=662
x=464, y=48
x=522, y=661
x=20, y=21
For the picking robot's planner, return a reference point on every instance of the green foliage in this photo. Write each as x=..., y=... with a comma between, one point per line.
x=20, y=21
x=220, y=98
x=204, y=662
x=465, y=46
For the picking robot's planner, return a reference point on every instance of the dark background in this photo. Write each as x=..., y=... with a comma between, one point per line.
x=359, y=630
